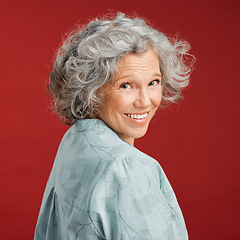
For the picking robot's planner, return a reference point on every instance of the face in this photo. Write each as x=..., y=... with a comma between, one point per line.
x=131, y=99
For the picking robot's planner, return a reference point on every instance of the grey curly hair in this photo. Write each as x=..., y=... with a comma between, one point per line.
x=88, y=59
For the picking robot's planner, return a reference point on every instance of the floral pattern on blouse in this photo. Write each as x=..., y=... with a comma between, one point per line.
x=101, y=187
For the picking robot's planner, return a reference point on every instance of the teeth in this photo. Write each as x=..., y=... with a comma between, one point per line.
x=137, y=116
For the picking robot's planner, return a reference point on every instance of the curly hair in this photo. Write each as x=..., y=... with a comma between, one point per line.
x=88, y=59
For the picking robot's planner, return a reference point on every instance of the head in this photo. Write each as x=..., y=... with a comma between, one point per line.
x=93, y=57
x=130, y=100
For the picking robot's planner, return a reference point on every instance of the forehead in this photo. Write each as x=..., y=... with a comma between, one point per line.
x=146, y=63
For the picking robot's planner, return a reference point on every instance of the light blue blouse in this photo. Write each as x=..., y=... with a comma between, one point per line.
x=101, y=187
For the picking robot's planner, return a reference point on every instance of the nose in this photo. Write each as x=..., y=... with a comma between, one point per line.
x=143, y=99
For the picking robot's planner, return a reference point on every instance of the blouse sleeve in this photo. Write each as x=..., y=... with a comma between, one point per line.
x=128, y=203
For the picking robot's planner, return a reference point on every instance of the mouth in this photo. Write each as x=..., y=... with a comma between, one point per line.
x=136, y=116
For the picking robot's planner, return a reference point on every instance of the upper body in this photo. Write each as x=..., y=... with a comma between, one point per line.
x=108, y=81
x=101, y=187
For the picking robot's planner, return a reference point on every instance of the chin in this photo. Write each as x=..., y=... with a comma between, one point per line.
x=139, y=135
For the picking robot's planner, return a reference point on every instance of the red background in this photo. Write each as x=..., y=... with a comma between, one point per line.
x=197, y=143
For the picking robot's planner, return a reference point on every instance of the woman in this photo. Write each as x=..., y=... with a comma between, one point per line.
x=108, y=80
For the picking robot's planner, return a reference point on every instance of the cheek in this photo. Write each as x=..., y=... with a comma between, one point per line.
x=123, y=101
x=120, y=102
x=115, y=102
x=157, y=97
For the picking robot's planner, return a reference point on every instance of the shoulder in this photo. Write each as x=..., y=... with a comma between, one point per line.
x=92, y=157
x=130, y=188
x=130, y=176
x=93, y=138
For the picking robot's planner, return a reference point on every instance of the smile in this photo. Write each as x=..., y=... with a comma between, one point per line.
x=136, y=116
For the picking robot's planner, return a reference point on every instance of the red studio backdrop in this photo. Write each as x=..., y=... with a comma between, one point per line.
x=197, y=142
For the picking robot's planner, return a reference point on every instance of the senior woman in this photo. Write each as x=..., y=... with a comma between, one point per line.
x=108, y=80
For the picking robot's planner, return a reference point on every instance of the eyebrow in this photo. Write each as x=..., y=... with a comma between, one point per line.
x=132, y=76
x=157, y=75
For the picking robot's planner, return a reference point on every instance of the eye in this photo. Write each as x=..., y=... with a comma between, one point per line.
x=125, y=85
x=154, y=82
